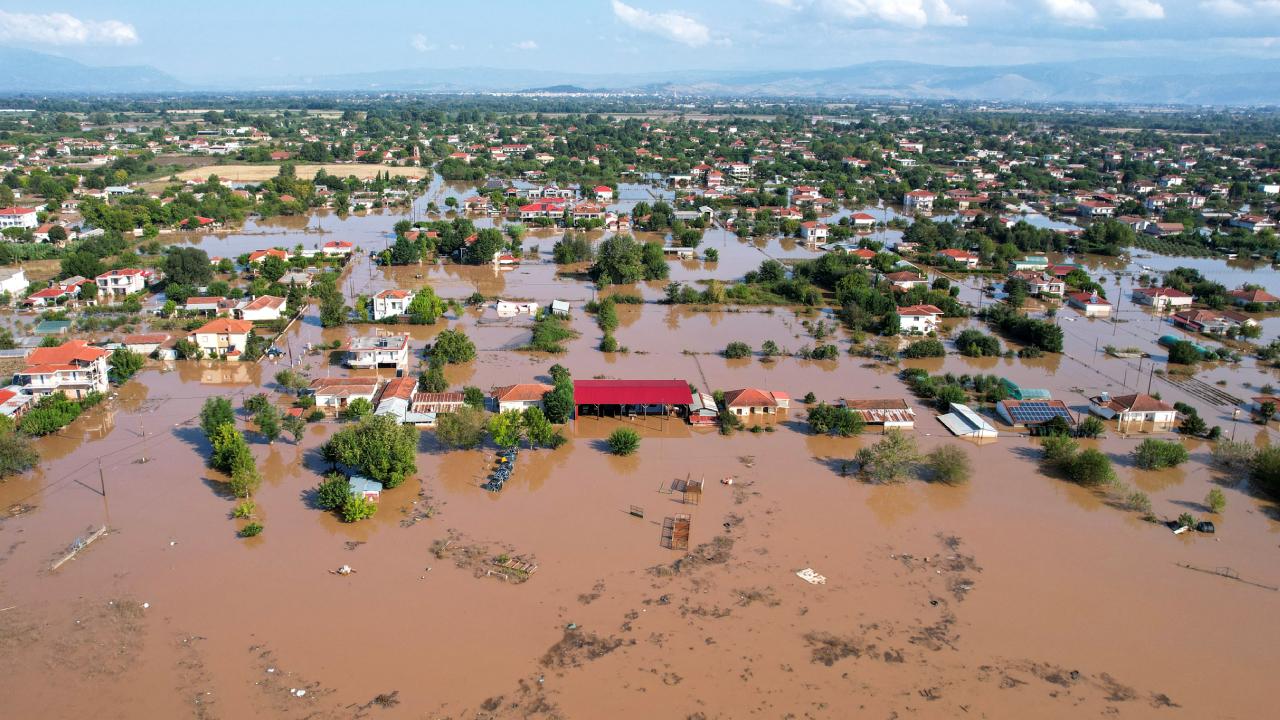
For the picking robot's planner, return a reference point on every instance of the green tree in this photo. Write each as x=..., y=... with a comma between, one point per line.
x=291, y=380
x=268, y=420
x=16, y=454
x=623, y=441
x=273, y=267
x=245, y=481
x=737, y=350
x=619, y=261
x=1264, y=470
x=425, y=308
x=216, y=412
x=378, y=447
x=125, y=364
x=539, y=430
x=230, y=451
x=257, y=403
x=358, y=409
x=949, y=464
x=453, y=346
x=1152, y=454
x=827, y=419
x=1183, y=353
x=1059, y=450
x=473, y=396
x=295, y=426
x=463, y=428
x=558, y=403
x=889, y=459
x=188, y=266
x=506, y=429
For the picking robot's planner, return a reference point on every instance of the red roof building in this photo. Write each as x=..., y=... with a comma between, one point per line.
x=631, y=392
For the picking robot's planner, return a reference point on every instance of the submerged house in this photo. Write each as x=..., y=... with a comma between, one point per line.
x=964, y=422
x=890, y=413
x=754, y=401
x=1135, y=412
x=376, y=352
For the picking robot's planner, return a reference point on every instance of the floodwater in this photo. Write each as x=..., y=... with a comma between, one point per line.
x=1016, y=595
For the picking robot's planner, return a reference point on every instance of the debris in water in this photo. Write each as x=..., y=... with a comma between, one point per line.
x=812, y=577
x=344, y=570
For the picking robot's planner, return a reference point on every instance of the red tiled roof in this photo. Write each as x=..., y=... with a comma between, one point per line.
x=749, y=397
x=68, y=352
x=224, y=326
x=520, y=392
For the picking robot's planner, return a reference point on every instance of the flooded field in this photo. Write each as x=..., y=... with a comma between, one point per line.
x=1016, y=595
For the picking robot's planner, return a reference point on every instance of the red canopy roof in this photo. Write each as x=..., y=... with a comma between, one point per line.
x=631, y=392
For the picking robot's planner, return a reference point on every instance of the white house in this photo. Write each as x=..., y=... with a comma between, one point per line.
x=1134, y=412
x=1091, y=304
x=391, y=303
x=813, y=231
x=19, y=217
x=125, y=281
x=261, y=308
x=518, y=397
x=74, y=369
x=337, y=393
x=1161, y=297
x=337, y=248
x=13, y=281
x=918, y=200
x=921, y=319
x=375, y=352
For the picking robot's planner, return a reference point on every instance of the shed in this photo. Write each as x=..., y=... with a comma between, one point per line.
x=633, y=395
x=964, y=422
x=361, y=486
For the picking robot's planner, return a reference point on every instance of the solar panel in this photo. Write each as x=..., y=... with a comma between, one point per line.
x=1038, y=412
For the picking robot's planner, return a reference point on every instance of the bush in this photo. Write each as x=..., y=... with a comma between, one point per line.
x=1264, y=470
x=1154, y=454
x=887, y=461
x=357, y=508
x=973, y=343
x=50, y=414
x=253, y=529
x=1232, y=455
x=464, y=428
x=737, y=350
x=16, y=454
x=1090, y=468
x=827, y=419
x=332, y=492
x=1183, y=353
x=929, y=347
x=1215, y=501
x=623, y=441
x=1138, y=501
x=378, y=447
x=1059, y=450
x=358, y=409
x=244, y=510
x=125, y=364
x=549, y=333
x=245, y=481
x=315, y=415
x=608, y=343
x=1091, y=427
x=949, y=464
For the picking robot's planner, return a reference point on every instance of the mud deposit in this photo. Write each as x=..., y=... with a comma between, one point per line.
x=1017, y=595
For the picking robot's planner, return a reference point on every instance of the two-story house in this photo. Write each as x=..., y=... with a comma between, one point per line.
x=74, y=369
x=375, y=352
x=122, y=282
x=390, y=304
x=222, y=336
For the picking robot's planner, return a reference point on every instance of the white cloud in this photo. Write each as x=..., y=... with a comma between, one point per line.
x=1072, y=12
x=419, y=42
x=672, y=25
x=526, y=45
x=63, y=29
x=908, y=13
x=1141, y=9
x=1241, y=8
x=940, y=13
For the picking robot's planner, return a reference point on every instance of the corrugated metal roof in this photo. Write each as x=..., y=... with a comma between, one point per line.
x=631, y=392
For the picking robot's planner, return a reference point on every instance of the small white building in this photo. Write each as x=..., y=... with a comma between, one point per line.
x=19, y=217
x=122, y=282
x=518, y=397
x=1162, y=297
x=375, y=352
x=814, y=231
x=1091, y=304
x=260, y=309
x=13, y=281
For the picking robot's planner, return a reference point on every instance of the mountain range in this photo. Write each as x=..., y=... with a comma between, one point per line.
x=1215, y=81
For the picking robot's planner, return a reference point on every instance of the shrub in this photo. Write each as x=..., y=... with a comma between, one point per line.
x=245, y=481
x=1059, y=450
x=1232, y=455
x=973, y=343
x=1154, y=454
x=1264, y=470
x=1138, y=501
x=257, y=403
x=253, y=529
x=332, y=492
x=357, y=508
x=929, y=347
x=1215, y=501
x=16, y=453
x=1193, y=425
x=737, y=350
x=1090, y=468
x=824, y=419
x=949, y=464
x=464, y=428
x=125, y=364
x=769, y=348
x=549, y=333
x=608, y=343
x=623, y=441
x=244, y=510
x=315, y=415
x=1183, y=353
x=1091, y=427
x=358, y=409
x=453, y=346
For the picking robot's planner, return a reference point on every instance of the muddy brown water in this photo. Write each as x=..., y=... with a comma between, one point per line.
x=1016, y=595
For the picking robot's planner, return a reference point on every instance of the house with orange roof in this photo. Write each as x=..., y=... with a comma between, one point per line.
x=392, y=303
x=754, y=401
x=122, y=282
x=921, y=319
x=518, y=397
x=74, y=368
x=222, y=337
x=260, y=309
x=258, y=256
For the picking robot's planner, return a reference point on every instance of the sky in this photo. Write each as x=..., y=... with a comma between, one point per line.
x=236, y=39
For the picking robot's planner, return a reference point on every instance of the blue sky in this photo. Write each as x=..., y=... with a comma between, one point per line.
x=237, y=39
